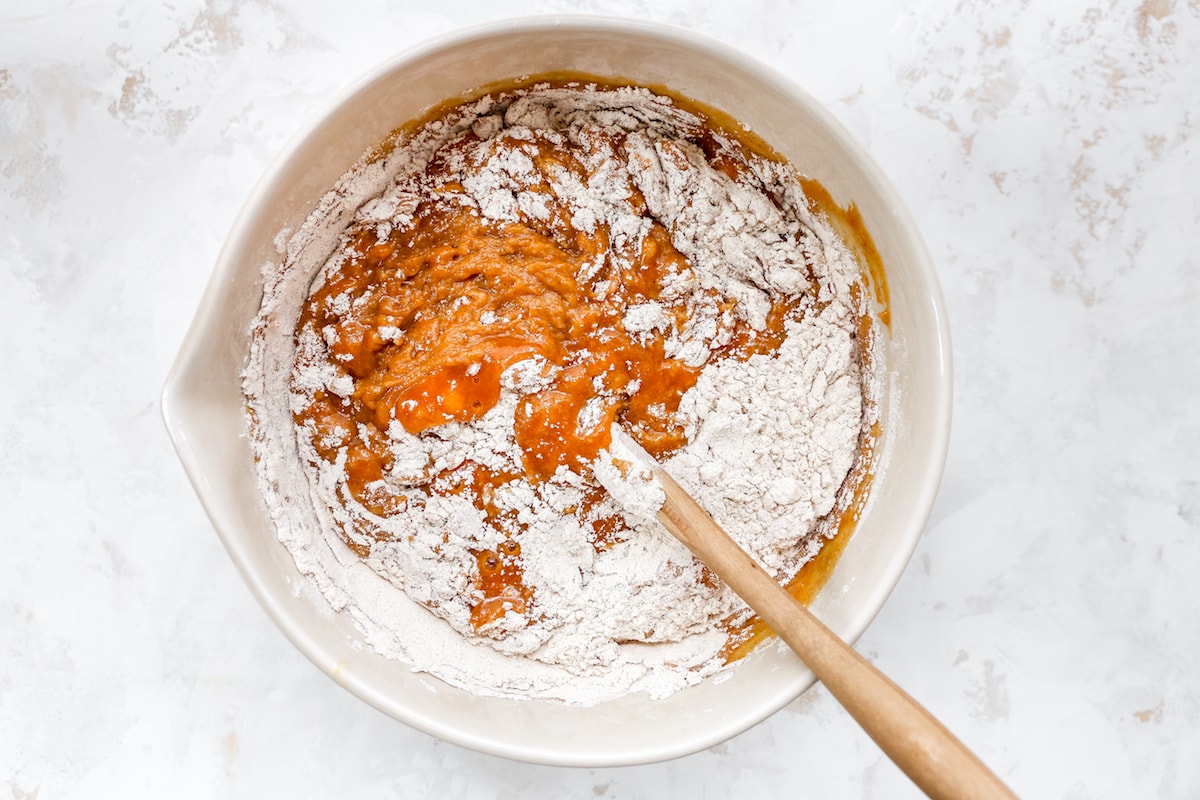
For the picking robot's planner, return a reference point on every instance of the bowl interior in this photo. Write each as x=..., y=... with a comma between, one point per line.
x=203, y=405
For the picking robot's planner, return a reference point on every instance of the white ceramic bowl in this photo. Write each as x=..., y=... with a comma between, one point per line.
x=203, y=405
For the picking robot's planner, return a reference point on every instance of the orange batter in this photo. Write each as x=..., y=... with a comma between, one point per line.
x=426, y=319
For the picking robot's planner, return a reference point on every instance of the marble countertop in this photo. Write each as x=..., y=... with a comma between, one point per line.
x=1050, y=614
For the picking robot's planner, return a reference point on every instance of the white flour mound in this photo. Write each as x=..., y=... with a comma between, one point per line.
x=771, y=439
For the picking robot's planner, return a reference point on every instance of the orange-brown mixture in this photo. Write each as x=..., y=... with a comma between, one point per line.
x=439, y=310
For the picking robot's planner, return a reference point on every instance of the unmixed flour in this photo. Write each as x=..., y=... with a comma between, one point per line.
x=771, y=439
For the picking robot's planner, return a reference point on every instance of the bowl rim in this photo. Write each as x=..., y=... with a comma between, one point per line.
x=173, y=395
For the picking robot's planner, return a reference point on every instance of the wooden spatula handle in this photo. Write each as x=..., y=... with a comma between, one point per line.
x=921, y=746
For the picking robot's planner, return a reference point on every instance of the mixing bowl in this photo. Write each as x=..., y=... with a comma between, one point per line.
x=203, y=404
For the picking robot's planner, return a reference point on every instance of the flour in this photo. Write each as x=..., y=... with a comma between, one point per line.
x=628, y=474
x=771, y=438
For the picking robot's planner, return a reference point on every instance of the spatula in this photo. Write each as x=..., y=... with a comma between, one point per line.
x=919, y=744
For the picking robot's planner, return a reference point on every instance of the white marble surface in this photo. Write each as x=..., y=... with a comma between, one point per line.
x=1050, y=616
